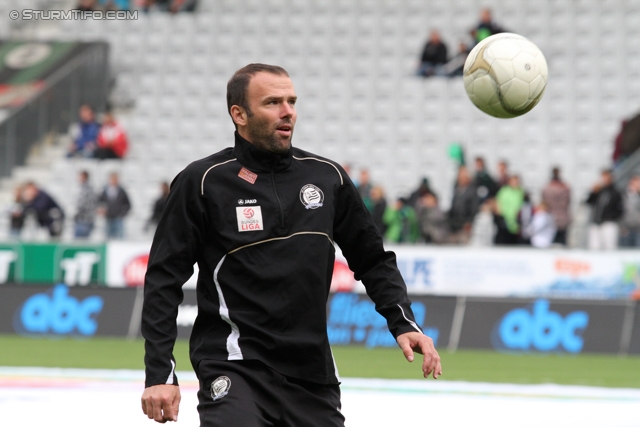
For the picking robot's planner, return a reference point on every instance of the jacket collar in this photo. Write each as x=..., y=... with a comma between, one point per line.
x=260, y=160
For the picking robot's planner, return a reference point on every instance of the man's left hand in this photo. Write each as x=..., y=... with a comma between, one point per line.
x=411, y=342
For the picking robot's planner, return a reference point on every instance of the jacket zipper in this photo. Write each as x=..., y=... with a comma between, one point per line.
x=275, y=192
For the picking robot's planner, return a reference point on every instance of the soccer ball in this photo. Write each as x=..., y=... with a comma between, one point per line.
x=505, y=75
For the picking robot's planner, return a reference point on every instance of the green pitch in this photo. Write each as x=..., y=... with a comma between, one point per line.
x=486, y=366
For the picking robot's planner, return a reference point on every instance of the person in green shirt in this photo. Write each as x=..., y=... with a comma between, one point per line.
x=402, y=223
x=509, y=201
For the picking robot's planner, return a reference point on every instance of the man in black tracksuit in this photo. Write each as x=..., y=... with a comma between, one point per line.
x=260, y=220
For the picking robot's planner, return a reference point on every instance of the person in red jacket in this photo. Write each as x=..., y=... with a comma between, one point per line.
x=112, y=139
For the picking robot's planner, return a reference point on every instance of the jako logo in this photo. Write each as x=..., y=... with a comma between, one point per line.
x=58, y=313
x=544, y=330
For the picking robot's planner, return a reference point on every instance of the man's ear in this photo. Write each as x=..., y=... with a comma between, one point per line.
x=238, y=115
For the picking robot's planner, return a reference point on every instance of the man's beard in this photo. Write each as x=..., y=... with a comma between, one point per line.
x=265, y=136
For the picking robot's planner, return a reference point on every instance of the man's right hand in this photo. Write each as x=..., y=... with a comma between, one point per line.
x=161, y=402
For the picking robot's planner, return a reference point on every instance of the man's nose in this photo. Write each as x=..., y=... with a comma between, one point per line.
x=287, y=110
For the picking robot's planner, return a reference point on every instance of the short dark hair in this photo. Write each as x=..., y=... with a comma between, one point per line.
x=237, y=86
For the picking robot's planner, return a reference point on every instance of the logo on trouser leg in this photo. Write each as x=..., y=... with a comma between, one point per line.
x=220, y=387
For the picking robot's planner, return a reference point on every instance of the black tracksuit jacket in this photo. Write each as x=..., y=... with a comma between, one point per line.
x=262, y=228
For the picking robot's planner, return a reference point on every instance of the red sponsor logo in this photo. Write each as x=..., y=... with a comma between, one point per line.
x=136, y=269
x=247, y=175
x=248, y=213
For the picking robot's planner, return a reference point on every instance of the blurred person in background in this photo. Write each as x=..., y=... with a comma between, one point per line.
x=378, y=208
x=503, y=174
x=464, y=207
x=401, y=222
x=86, y=206
x=486, y=27
x=556, y=196
x=486, y=186
x=525, y=216
x=416, y=195
x=115, y=206
x=606, y=210
x=84, y=134
x=509, y=201
x=112, y=139
x=455, y=66
x=483, y=227
x=47, y=211
x=433, y=57
x=630, y=223
x=16, y=213
x=432, y=220
x=541, y=230
x=158, y=207
x=364, y=187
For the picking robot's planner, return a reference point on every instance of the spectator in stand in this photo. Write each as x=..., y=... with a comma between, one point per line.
x=483, y=228
x=485, y=185
x=46, y=210
x=402, y=223
x=115, y=206
x=628, y=139
x=379, y=207
x=16, y=213
x=112, y=139
x=115, y=4
x=364, y=188
x=503, y=174
x=418, y=193
x=606, y=211
x=464, y=207
x=87, y=5
x=85, y=208
x=630, y=224
x=509, y=201
x=173, y=6
x=85, y=135
x=434, y=56
x=556, y=197
x=542, y=228
x=158, y=207
x=431, y=219
x=455, y=66
x=486, y=27
x=525, y=216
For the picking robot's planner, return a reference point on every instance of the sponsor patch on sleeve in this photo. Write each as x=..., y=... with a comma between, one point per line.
x=249, y=218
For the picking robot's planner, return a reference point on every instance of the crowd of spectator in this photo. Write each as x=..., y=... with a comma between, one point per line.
x=435, y=60
x=485, y=210
x=112, y=202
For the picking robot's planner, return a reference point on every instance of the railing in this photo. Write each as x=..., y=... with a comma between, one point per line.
x=83, y=80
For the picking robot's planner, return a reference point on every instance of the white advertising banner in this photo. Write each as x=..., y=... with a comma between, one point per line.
x=127, y=264
x=490, y=272
x=517, y=272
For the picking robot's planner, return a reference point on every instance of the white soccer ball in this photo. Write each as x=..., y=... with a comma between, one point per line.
x=505, y=75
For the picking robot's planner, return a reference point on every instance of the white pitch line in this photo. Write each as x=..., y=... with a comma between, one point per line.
x=35, y=397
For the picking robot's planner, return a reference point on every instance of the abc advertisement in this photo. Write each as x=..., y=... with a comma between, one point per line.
x=61, y=310
x=542, y=325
